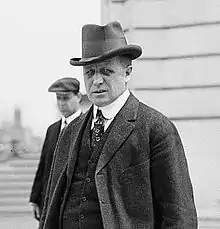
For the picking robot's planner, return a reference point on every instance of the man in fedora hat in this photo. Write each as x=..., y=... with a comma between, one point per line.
x=126, y=167
x=68, y=99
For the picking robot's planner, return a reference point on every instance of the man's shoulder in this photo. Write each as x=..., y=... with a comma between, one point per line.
x=74, y=123
x=54, y=125
x=153, y=116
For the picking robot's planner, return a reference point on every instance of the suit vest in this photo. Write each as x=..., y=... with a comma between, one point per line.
x=82, y=208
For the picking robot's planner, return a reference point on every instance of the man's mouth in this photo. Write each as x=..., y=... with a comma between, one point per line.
x=99, y=91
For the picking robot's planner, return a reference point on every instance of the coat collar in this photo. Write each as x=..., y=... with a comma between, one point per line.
x=122, y=127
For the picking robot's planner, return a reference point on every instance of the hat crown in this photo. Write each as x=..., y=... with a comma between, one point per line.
x=103, y=42
x=92, y=32
x=97, y=40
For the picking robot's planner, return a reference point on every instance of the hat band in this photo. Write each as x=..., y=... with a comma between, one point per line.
x=98, y=48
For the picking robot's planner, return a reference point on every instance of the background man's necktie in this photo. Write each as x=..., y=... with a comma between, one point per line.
x=98, y=128
x=63, y=128
x=64, y=124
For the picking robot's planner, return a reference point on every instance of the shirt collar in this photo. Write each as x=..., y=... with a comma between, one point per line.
x=111, y=110
x=71, y=117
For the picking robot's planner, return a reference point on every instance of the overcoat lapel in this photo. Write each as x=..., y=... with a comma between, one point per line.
x=53, y=135
x=56, y=130
x=122, y=127
x=76, y=136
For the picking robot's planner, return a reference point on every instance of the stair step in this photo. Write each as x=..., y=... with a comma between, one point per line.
x=24, y=163
x=14, y=202
x=15, y=185
x=18, y=171
x=35, y=156
x=16, y=193
x=22, y=178
x=15, y=209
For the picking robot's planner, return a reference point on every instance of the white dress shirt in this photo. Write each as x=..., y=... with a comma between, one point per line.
x=69, y=119
x=111, y=110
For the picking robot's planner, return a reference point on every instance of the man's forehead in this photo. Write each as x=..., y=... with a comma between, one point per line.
x=105, y=63
x=64, y=93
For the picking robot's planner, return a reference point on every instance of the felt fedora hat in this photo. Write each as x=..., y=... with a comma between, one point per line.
x=103, y=42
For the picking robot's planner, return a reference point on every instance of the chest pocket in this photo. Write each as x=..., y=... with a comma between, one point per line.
x=136, y=174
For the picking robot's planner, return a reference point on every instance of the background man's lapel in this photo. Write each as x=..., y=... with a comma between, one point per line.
x=122, y=127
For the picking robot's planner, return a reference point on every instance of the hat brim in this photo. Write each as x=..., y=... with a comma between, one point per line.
x=133, y=51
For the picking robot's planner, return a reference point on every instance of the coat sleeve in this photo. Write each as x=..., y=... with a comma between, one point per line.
x=172, y=191
x=36, y=191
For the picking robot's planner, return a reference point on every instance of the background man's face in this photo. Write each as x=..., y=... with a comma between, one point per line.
x=67, y=103
x=105, y=81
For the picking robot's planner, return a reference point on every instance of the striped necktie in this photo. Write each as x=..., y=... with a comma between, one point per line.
x=98, y=128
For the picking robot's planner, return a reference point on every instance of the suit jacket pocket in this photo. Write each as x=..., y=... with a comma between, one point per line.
x=132, y=173
x=135, y=190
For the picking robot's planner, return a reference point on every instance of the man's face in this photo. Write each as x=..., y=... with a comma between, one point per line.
x=67, y=103
x=105, y=81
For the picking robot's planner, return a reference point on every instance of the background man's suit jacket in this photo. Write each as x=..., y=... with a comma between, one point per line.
x=43, y=170
x=142, y=176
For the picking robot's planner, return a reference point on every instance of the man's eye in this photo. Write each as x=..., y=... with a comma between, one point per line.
x=90, y=73
x=106, y=72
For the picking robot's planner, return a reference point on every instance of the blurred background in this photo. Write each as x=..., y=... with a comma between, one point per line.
x=177, y=74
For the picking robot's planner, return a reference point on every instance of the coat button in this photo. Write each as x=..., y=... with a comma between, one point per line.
x=102, y=202
x=88, y=180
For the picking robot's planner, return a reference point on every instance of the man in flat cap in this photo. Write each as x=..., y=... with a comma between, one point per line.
x=126, y=167
x=68, y=102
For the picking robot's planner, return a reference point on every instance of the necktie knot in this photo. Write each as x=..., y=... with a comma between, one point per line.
x=100, y=118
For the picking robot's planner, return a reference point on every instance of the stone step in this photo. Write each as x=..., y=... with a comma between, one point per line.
x=6, y=178
x=15, y=209
x=19, y=170
x=13, y=201
x=31, y=157
x=24, y=163
x=15, y=193
x=15, y=185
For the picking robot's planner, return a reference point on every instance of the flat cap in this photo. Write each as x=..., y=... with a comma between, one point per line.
x=66, y=84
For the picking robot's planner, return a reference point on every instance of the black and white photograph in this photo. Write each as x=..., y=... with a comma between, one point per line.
x=109, y=114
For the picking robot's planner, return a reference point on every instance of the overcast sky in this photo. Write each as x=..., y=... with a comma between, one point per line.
x=37, y=39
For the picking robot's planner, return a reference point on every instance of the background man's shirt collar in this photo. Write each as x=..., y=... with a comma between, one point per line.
x=70, y=118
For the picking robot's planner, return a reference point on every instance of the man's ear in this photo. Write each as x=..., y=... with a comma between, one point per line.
x=128, y=73
x=79, y=97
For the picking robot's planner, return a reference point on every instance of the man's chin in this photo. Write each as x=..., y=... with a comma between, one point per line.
x=101, y=103
x=65, y=114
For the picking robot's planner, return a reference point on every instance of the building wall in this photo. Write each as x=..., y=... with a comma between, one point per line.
x=178, y=74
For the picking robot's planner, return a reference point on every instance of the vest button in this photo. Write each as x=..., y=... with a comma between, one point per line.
x=84, y=199
x=88, y=179
x=82, y=216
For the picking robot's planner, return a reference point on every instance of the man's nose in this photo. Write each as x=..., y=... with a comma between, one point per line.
x=98, y=79
x=61, y=102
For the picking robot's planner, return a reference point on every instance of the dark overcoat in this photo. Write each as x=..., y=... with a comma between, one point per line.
x=42, y=174
x=142, y=177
